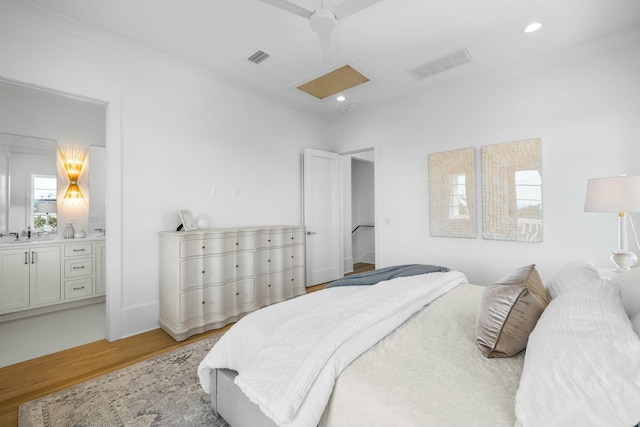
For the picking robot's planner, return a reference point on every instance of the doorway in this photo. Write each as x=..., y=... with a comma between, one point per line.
x=339, y=211
x=46, y=112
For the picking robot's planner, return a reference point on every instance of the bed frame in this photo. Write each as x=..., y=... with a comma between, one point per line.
x=229, y=402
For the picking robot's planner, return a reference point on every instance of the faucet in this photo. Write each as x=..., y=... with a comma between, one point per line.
x=29, y=233
x=101, y=230
x=17, y=236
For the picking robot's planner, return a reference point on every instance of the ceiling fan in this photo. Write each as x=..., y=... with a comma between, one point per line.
x=324, y=19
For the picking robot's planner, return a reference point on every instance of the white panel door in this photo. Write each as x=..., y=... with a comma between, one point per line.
x=322, y=216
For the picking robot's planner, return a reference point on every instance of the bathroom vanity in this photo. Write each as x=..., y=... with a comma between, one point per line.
x=47, y=274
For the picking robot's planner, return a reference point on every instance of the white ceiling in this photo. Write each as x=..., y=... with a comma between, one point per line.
x=382, y=41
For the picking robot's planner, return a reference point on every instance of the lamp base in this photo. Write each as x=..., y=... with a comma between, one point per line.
x=624, y=260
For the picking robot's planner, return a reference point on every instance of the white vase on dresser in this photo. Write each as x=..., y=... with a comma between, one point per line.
x=210, y=278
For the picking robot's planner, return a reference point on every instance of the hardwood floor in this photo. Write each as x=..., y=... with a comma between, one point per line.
x=44, y=375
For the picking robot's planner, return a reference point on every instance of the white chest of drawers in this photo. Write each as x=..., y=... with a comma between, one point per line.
x=213, y=277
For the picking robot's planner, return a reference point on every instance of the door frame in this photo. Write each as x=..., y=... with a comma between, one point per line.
x=345, y=200
x=113, y=149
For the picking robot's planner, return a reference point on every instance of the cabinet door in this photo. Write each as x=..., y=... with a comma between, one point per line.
x=44, y=268
x=14, y=279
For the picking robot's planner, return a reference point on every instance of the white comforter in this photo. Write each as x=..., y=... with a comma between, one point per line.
x=288, y=355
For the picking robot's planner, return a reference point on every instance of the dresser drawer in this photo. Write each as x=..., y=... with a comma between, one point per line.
x=76, y=267
x=78, y=288
x=198, y=272
x=215, y=246
x=77, y=249
x=214, y=301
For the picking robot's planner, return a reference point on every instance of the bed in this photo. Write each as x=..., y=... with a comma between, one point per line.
x=433, y=350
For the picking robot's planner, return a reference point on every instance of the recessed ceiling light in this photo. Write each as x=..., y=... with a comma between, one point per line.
x=340, y=98
x=532, y=28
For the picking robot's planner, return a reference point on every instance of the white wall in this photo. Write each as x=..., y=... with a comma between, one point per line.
x=585, y=109
x=181, y=132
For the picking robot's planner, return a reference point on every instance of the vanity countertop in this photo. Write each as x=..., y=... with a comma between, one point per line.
x=10, y=241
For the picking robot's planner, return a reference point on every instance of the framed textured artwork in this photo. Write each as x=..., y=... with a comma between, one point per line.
x=452, y=184
x=512, y=191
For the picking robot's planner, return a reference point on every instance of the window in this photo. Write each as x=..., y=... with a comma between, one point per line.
x=528, y=193
x=45, y=188
x=458, y=208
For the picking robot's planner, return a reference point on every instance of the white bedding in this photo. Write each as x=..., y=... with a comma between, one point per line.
x=289, y=355
x=429, y=372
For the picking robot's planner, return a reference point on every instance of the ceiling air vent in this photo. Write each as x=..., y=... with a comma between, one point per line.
x=447, y=62
x=258, y=57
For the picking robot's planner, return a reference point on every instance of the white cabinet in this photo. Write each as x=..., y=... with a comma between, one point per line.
x=211, y=278
x=30, y=277
x=78, y=270
x=35, y=276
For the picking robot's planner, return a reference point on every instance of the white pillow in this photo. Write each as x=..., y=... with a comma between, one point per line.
x=572, y=275
x=582, y=365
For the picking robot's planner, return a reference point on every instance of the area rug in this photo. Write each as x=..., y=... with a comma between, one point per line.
x=162, y=391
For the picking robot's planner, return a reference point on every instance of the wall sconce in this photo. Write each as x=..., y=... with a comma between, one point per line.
x=73, y=159
x=620, y=195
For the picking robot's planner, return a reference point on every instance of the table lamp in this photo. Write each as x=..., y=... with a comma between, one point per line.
x=619, y=194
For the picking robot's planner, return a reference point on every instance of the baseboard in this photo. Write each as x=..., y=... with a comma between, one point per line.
x=51, y=308
x=139, y=319
x=368, y=258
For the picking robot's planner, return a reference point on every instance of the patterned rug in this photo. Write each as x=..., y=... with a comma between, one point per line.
x=162, y=391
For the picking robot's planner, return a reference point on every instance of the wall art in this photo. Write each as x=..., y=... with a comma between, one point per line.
x=452, y=207
x=512, y=191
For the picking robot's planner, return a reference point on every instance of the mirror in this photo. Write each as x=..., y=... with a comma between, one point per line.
x=22, y=158
x=27, y=163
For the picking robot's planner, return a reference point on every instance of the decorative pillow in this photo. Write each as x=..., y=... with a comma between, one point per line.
x=572, y=275
x=508, y=312
x=582, y=365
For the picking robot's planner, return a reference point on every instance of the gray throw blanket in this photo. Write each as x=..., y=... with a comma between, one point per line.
x=373, y=277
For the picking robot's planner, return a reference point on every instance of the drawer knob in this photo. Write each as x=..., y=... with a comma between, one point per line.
x=237, y=293
x=237, y=266
x=202, y=302
x=203, y=247
x=202, y=271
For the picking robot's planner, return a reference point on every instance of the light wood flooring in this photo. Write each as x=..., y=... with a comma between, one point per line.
x=44, y=375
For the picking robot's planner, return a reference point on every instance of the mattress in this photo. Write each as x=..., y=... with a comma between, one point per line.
x=429, y=372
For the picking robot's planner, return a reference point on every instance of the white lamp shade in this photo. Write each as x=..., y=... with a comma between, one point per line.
x=613, y=194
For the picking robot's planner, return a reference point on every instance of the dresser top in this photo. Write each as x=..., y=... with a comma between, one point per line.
x=251, y=229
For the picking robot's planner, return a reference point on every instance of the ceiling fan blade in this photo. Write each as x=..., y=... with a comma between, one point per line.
x=349, y=7
x=289, y=7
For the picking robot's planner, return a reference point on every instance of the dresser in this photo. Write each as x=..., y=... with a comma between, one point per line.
x=210, y=278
